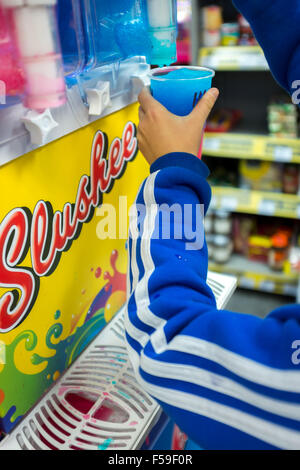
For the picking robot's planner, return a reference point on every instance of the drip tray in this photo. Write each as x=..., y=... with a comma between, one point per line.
x=97, y=403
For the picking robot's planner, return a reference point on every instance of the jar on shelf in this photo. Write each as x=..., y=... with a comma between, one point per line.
x=230, y=33
x=210, y=245
x=222, y=223
x=246, y=34
x=222, y=249
x=212, y=17
x=208, y=222
x=259, y=248
x=290, y=179
x=279, y=251
x=211, y=37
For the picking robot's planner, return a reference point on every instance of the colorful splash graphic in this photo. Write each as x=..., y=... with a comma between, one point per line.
x=93, y=319
x=85, y=284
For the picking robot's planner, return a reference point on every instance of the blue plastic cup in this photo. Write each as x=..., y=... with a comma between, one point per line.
x=179, y=88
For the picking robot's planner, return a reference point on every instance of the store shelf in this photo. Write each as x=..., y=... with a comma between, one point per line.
x=249, y=146
x=258, y=276
x=256, y=202
x=250, y=58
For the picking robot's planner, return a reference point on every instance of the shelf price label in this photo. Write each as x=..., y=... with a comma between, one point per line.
x=289, y=289
x=229, y=203
x=212, y=144
x=266, y=207
x=283, y=154
x=233, y=58
x=246, y=282
x=267, y=286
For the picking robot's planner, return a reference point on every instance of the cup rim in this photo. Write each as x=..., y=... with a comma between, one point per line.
x=162, y=72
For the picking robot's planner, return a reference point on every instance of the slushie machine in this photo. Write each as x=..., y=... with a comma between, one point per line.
x=70, y=73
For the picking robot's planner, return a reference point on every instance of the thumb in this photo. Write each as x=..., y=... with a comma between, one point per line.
x=202, y=110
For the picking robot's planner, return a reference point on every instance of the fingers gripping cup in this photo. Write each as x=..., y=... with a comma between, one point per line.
x=180, y=88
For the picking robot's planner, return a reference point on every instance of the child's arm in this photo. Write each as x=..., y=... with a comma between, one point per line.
x=228, y=380
x=276, y=26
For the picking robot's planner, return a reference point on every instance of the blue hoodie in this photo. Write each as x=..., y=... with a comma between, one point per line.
x=275, y=24
x=228, y=380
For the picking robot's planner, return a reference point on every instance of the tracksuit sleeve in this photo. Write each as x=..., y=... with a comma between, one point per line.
x=228, y=380
x=275, y=24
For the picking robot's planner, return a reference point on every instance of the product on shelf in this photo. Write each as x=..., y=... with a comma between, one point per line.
x=222, y=223
x=218, y=231
x=210, y=245
x=212, y=22
x=259, y=247
x=230, y=33
x=246, y=34
x=290, y=179
x=261, y=176
x=272, y=250
x=212, y=17
x=183, y=45
x=211, y=37
x=222, y=248
x=223, y=120
x=283, y=119
x=256, y=175
x=218, y=222
x=223, y=173
x=279, y=251
x=221, y=29
x=184, y=16
x=269, y=176
x=294, y=255
x=268, y=242
x=243, y=227
x=208, y=222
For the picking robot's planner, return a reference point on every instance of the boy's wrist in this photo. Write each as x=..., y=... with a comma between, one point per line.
x=180, y=160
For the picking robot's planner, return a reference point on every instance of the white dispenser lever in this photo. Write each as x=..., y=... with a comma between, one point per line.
x=98, y=98
x=39, y=125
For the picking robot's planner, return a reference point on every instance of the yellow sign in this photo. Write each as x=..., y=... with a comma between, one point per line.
x=60, y=281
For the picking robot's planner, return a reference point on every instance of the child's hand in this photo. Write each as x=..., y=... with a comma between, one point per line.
x=161, y=132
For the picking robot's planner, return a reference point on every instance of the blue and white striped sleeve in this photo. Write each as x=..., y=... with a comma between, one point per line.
x=228, y=380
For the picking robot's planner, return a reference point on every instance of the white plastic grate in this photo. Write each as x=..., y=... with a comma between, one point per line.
x=223, y=287
x=97, y=403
